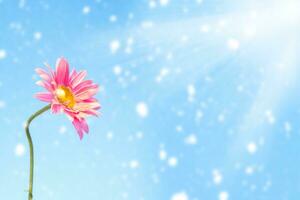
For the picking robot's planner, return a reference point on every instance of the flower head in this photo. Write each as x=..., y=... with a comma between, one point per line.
x=68, y=92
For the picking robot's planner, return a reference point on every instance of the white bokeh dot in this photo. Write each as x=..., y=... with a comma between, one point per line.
x=180, y=196
x=142, y=109
x=19, y=150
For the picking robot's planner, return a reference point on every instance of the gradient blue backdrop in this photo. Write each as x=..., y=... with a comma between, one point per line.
x=200, y=99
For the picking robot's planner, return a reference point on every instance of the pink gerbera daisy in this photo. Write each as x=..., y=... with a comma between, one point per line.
x=68, y=92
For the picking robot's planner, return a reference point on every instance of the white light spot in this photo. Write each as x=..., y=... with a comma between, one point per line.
x=221, y=117
x=109, y=135
x=199, y=1
x=134, y=164
x=180, y=196
x=2, y=54
x=147, y=24
x=37, y=36
x=152, y=4
x=233, y=44
x=287, y=127
x=117, y=70
x=250, y=31
x=172, y=161
x=86, y=10
x=164, y=2
x=205, y=28
x=142, y=109
x=191, y=90
x=252, y=148
x=20, y=150
x=163, y=73
x=223, y=195
x=270, y=117
x=2, y=104
x=240, y=88
x=114, y=46
x=249, y=170
x=162, y=155
x=191, y=139
x=62, y=130
x=113, y=18
x=217, y=176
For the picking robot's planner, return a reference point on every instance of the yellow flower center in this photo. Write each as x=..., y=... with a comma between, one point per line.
x=65, y=96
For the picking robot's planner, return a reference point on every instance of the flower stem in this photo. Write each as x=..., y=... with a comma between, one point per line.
x=32, y=117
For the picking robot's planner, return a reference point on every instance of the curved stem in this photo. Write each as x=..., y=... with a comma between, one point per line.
x=32, y=117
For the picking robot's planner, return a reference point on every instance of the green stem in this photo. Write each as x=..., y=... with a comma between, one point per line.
x=32, y=117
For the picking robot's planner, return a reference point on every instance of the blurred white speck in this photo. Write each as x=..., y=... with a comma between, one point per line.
x=191, y=139
x=221, y=117
x=2, y=104
x=139, y=135
x=113, y=18
x=134, y=164
x=152, y=4
x=2, y=54
x=252, y=148
x=142, y=109
x=147, y=24
x=20, y=150
x=217, y=176
x=205, y=28
x=233, y=44
x=249, y=170
x=86, y=10
x=287, y=127
x=62, y=130
x=270, y=117
x=114, y=46
x=180, y=196
x=250, y=31
x=199, y=1
x=191, y=90
x=164, y=2
x=163, y=72
x=162, y=154
x=172, y=161
x=240, y=88
x=22, y=3
x=37, y=36
x=117, y=70
x=223, y=195
x=109, y=135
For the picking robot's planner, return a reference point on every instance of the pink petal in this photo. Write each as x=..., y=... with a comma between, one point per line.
x=86, y=94
x=78, y=78
x=44, y=96
x=45, y=85
x=84, y=86
x=43, y=74
x=81, y=126
x=56, y=108
x=62, y=72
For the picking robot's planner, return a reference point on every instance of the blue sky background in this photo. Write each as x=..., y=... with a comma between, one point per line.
x=200, y=99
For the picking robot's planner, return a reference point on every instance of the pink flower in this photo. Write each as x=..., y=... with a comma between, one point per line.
x=69, y=93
